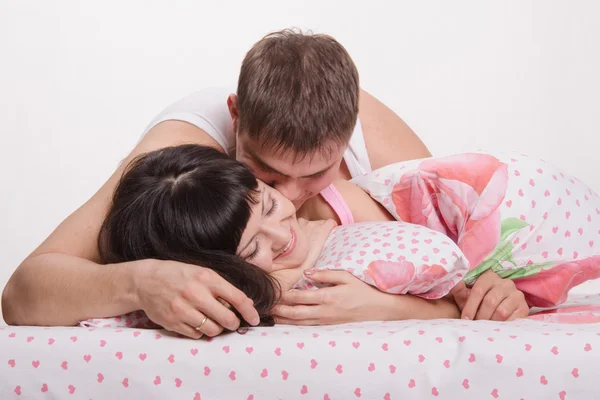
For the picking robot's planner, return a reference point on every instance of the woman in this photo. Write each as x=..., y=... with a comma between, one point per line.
x=192, y=204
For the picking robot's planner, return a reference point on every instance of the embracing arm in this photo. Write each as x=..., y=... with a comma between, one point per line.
x=62, y=282
x=387, y=137
x=352, y=300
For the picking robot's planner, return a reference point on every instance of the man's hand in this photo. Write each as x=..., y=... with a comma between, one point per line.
x=179, y=296
x=490, y=298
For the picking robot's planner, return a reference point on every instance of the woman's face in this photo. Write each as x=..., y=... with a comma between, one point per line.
x=273, y=239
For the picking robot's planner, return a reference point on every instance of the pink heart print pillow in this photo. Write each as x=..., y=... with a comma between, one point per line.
x=519, y=216
x=395, y=257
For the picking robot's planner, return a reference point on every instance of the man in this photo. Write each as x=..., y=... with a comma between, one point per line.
x=297, y=120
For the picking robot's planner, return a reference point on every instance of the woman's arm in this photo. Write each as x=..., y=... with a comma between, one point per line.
x=61, y=282
x=387, y=137
x=352, y=300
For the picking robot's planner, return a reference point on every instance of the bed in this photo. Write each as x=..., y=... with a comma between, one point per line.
x=551, y=355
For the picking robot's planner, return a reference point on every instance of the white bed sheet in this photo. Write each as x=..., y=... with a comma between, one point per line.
x=443, y=359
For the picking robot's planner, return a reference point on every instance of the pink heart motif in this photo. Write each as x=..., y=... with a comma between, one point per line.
x=125, y=382
x=137, y=333
x=509, y=203
x=278, y=351
x=197, y=396
x=434, y=392
x=44, y=388
x=461, y=339
x=543, y=380
x=411, y=383
x=499, y=358
x=357, y=392
x=87, y=358
x=588, y=347
x=387, y=397
x=495, y=393
x=178, y=382
x=339, y=369
x=391, y=367
x=142, y=356
x=356, y=345
x=519, y=372
x=407, y=342
x=232, y=375
x=332, y=343
x=102, y=343
x=249, y=350
x=71, y=389
x=554, y=350
x=465, y=383
x=100, y=378
x=206, y=371
x=119, y=355
x=30, y=338
x=575, y=373
x=313, y=364
x=65, y=365
x=447, y=363
x=439, y=339
x=18, y=390
x=194, y=351
x=264, y=373
x=11, y=363
x=304, y=389
x=300, y=345
x=371, y=367
x=284, y=375
x=50, y=341
x=421, y=358
x=11, y=335
x=527, y=347
x=157, y=380
x=562, y=395
x=472, y=358
x=73, y=339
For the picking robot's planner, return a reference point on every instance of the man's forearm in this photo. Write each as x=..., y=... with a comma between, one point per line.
x=58, y=289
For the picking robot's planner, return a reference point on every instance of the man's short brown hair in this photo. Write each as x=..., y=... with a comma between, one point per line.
x=298, y=92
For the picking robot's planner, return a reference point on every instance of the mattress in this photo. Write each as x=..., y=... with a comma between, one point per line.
x=554, y=354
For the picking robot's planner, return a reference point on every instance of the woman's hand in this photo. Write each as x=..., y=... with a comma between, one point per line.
x=491, y=298
x=179, y=296
x=350, y=300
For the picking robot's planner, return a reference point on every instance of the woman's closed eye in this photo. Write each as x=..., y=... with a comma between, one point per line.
x=255, y=252
x=273, y=207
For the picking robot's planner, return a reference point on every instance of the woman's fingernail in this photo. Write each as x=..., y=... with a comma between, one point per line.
x=466, y=317
x=255, y=321
x=308, y=272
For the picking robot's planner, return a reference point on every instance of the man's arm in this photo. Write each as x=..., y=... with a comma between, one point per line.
x=387, y=137
x=61, y=282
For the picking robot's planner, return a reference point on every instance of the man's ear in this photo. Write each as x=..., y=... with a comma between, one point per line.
x=233, y=111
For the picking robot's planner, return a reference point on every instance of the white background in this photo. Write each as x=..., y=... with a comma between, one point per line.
x=79, y=81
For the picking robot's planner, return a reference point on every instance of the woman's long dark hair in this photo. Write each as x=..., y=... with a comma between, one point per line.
x=187, y=203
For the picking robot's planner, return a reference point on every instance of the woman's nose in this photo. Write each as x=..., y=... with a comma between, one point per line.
x=278, y=232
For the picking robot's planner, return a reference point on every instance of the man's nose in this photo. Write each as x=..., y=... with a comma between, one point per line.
x=290, y=190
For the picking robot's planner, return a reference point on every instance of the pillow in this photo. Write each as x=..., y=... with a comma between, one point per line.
x=395, y=257
x=514, y=214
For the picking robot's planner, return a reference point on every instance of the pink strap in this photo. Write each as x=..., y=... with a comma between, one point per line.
x=334, y=198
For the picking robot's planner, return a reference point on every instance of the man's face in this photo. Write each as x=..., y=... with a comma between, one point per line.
x=297, y=179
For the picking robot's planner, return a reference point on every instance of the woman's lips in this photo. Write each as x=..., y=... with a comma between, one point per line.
x=290, y=247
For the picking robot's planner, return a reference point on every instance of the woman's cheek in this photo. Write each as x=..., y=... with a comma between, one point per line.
x=263, y=262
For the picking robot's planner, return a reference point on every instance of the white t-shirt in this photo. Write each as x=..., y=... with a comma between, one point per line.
x=207, y=110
